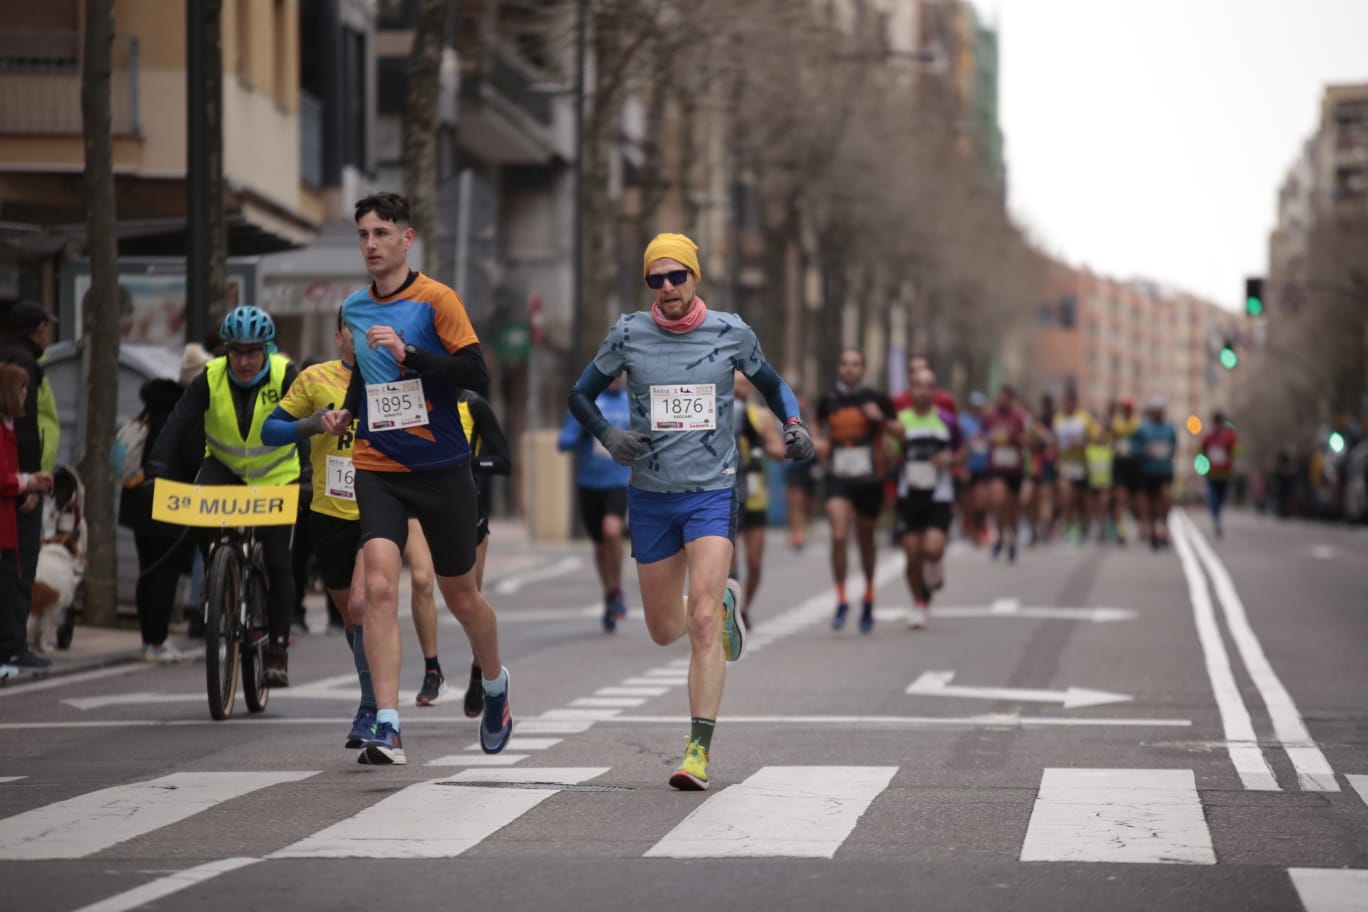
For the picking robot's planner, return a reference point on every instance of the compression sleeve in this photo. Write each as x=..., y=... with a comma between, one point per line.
x=776, y=392
x=279, y=428
x=494, y=458
x=464, y=367
x=582, y=400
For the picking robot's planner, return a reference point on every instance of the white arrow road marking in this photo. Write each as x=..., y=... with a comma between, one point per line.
x=1010, y=608
x=937, y=683
x=512, y=584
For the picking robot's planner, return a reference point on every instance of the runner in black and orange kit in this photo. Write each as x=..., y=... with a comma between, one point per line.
x=851, y=422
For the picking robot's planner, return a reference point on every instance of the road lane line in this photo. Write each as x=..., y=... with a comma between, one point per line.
x=165, y=886
x=500, y=759
x=778, y=812
x=656, y=682
x=607, y=702
x=93, y=822
x=1130, y=816
x=11, y=778
x=1241, y=743
x=440, y=818
x=1314, y=773
x=1359, y=784
x=513, y=583
x=1331, y=889
x=519, y=743
x=14, y=690
x=631, y=691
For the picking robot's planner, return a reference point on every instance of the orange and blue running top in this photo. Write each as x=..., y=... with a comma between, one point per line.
x=429, y=316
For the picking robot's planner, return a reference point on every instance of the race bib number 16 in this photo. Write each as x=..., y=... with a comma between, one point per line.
x=684, y=408
x=397, y=405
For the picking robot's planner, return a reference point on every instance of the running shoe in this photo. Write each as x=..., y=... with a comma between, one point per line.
x=433, y=689
x=997, y=549
x=692, y=775
x=917, y=619
x=384, y=748
x=866, y=616
x=497, y=726
x=275, y=667
x=839, y=618
x=733, y=623
x=1011, y=553
x=362, y=730
x=8, y=671
x=619, y=605
x=474, y=695
x=161, y=653
x=609, y=615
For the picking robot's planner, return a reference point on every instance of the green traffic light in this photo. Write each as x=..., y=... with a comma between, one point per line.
x=1337, y=442
x=1229, y=359
x=1254, y=307
x=1201, y=464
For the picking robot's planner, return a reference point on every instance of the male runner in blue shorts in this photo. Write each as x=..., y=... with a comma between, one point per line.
x=678, y=359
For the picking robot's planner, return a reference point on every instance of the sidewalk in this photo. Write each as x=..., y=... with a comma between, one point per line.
x=510, y=551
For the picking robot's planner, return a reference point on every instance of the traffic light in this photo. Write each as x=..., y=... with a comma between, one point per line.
x=1228, y=357
x=1337, y=442
x=1254, y=297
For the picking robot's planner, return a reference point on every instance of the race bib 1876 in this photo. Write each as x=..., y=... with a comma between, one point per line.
x=684, y=408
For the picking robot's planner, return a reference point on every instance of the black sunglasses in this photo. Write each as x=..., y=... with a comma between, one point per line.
x=677, y=277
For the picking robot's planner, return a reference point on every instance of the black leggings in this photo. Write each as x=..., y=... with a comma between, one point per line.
x=162, y=560
x=275, y=542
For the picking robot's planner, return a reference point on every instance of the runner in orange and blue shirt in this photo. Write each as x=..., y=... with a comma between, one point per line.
x=412, y=458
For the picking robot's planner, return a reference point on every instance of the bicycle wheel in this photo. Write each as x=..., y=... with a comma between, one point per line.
x=220, y=631
x=254, y=640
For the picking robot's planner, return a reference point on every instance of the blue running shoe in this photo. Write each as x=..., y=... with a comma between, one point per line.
x=384, y=748
x=866, y=617
x=497, y=726
x=997, y=549
x=839, y=618
x=609, y=615
x=733, y=622
x=362, y=730
x=619, y=606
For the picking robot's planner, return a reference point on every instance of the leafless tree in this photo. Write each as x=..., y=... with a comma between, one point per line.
x=420, y=122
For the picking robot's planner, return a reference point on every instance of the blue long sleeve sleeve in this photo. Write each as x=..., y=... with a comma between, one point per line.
x=777, y=393
x=582, y=405
x=279, y=428
x=571, y=433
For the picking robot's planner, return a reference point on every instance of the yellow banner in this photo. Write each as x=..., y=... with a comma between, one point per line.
x=217, y=506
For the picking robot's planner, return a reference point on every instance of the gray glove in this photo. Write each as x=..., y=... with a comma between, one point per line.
x=626, y=447
x=797, y=442
x=311, y=426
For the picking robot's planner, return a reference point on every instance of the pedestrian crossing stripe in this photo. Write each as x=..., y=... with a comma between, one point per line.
x=90, y=823
x=4, y=779
x=779, y=811
x=440, y=818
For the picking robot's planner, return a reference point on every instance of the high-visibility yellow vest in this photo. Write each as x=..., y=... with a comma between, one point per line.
x=250, y=459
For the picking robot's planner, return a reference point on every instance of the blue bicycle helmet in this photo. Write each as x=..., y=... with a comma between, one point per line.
x=247, y=324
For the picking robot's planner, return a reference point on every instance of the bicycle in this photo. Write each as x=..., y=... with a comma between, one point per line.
x=236, y=581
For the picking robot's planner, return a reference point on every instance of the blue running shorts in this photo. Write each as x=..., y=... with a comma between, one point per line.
x=661, y=523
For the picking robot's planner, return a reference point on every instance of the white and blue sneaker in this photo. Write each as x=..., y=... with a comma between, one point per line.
x=384, y=747
x=497, y=726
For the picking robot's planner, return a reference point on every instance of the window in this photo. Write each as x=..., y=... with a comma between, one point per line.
x=281, y=35
x=242, y=20
x=1068, y=312
x=1045, y=315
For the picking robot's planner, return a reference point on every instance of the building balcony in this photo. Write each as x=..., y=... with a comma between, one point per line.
x=506, y=112
x=40, y=83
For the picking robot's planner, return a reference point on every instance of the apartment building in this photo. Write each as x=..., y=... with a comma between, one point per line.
x=278, y=147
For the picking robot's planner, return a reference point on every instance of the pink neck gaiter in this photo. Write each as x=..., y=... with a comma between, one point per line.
x=691, y=320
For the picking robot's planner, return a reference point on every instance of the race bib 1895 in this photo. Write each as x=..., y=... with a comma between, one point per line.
x=684, y=408
x=392, y=406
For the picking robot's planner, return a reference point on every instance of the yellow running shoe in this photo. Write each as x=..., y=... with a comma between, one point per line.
x=692, y=775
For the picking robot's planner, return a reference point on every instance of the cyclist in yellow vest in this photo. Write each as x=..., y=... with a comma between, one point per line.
x=231, y=401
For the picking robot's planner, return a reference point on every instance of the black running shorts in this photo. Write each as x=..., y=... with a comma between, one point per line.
x=596, y=503
x=442, y=500
x=335, y=541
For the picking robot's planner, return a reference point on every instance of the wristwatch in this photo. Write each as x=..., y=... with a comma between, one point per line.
x=408, y=350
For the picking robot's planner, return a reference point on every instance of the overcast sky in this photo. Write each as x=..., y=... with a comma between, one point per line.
x=1148, y=138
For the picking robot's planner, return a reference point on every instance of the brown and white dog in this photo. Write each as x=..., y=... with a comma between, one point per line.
x=60, y=567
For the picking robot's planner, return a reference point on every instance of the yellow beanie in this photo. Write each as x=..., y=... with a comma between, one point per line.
x=675, y=247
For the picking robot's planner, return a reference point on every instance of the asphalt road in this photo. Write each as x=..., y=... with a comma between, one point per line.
x=1091, y=728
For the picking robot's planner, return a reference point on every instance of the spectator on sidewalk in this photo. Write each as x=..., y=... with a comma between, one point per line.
x=29, y=334
x=164, y=551
x=14, y=484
